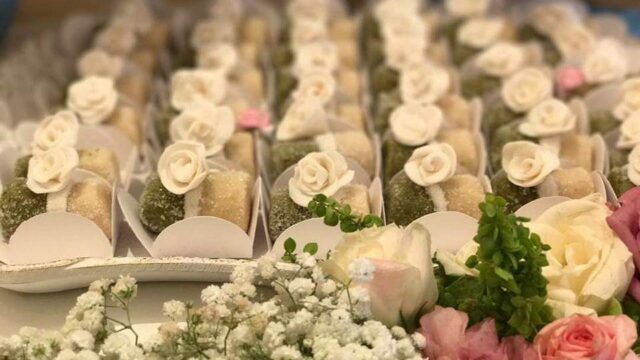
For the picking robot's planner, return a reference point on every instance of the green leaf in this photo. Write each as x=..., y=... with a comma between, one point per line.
x=311, y=248
x=614, y=308
x=290, y=245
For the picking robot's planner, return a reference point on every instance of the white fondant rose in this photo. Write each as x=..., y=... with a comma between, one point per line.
x=633, y=168
x=630, y=99
x=100, y=63
x=403, y=25
x=308, y=10
x=56, y=131
x=405, y=53
x=431, y=164
x=117, y=38
x=182, y=166
x=526, y=89
x=467, y=8
x=307, y=31
x=501, y=59
x=304, y=118
x=423, y=84
x=50, y=171
x=415, y=125
x=607, y=62
x=94, y=99
x=549, y=118
x=480, y=33
x=573, y=39
x=188, y=86
x=315, y=57
x=204, y=123
x=318, y=85
x=319, y=173
x=210, y=32
x=218, y=57
x=630, y=132
x=546, y=18
x=527, y=164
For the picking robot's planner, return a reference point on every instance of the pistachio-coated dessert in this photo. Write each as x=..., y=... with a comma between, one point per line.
x=21, y=167
x=384, y=79
x=618, y=157
x=619, y=180
x=285, y=84
x=479, y=85
x=602, y=122
x=516, y=196
x=284, y=213
x=505, y=134
x=460, y=54
x=287, y=153
x=384, y=106
x=163, y=124
x=405, y=201
x=159, y=208
x=19, y=204
x=496, y=116
x=395, y=155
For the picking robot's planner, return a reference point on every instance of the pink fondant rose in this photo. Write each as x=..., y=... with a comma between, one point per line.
x=569, y=78
x=625, y=222
x=254, y=119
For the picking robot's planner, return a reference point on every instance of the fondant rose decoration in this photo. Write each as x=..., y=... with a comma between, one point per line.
x=304, y=118
x=321, y=56
x=305, y=31
x=431, y=164
x=404, y=53
x=189, y=86
x=607, y=62
x=210, y=32
x=319, y=173
x=467, y=8
x=630, y=132
x=481, y=32
x=204, y=123
x=117, y=38
x=526, y=89
x=549, y=118
x=573, y=39
x=423, y=84
x=633, y=168
x=56, y=131
x=218, y=57
x=547, y=17
x=93, y=98
x=98, y=62
x=254, y=119
x=50, y=171
x=182, y=166
x=308, y=10
x=414, y=125
x=320, y=86
x=501, y=59
x=630, y=99
x=527, y=164
x=570, y=78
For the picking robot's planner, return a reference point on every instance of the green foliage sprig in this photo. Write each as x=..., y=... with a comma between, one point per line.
x=334, y=214
x=290, y=250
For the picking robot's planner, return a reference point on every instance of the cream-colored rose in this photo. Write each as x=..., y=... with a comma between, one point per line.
x=431, y=164
x=588, y=264
x=633, y=167
x=188, y=86
x=218, y=57
x=304, y=118
x=481, y=32
x=307, y=31
x=630, y=99
x=56, y=131
x=607, y=62
x=403, y=283
x=389, y=10
x=526, y=89
x=308, y=10
x=93, y=98
x=316, y=57
x=319, y=173
x=546, y=18
x=117, y=38
x=423, y=84
x=320, y=86
x=403, y=25
x=405, y=53
x=549, y=118
x=204, y=123
x=455, y=264
x=630, y=132
x=210, y=32
x=98, y=62
x=50, y=171
x=527, y=164
x=501, y=59
x=414, y=125
x=573, y=39
x=467, y=8
x=182, y=166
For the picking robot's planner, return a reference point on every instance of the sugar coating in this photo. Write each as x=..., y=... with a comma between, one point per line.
x=18, y=204
x=91, y=198
x=356, y=145
x=551, y=54
x=163, y=123
x=357, y=196
x=145, y=58
x=241, y=150
x=249, y=52
x=349, y=83
x=101, y=161
x=285, y=84
x=505, y=134
x=463, y=142
x=134, y=86
x=250, y=79
x=343, y=29
x=374, y=53
x=352, y=114
x=619, y=180
x=21, y=167
x=159, y=208
x=457, y=111
x=618, y=157
x=496, y=116
x=464, y=193
x=602, y=122
x=405, y=201
x=126, y=119
x=157, y=36
x=461, y=53
x=255, y=30
x=384, y=79
x=284, y=213
x=574, y=183
x=577, y=150
x=479, y=85
x=348, y=54
x=516, y=196
x=384, y=106
x=287, y=153
x=395, y=155
x=227, y=195
x=281, y=56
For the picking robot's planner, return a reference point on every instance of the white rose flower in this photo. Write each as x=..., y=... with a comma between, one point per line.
x=58, y=130
x=188, y=86
x=633, y=168
x=319, y=173
x=98, y=62
x=217, y=57
x=630, y=132
x=423, y=84
x=607, y=62
x=526, y=89
x=403, y=282
x=304, y=118
x=315, y=57
x=403, y=25
x=204, y=123
x=467, y=8
x=305, y=31
x=549, y=118
x=527, y=164
x=501, y=59
x=481, y=32
x=50, y=171
x=573, y=39
x=414, y=125
x=588, y=264
x=182, y=167
x=93, y=98
x=311, y=10
x=404, y=53
x=455, y=264
x=318, y=85
x=117, y=38
x=630, y=99
x=210, y=32
x=546, y=18
x=431, y=164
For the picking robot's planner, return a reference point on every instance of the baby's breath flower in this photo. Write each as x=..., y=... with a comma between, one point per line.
x=174, y=310
x=125, y=288
x=361, y=270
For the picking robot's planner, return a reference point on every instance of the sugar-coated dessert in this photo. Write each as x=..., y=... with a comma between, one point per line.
x=19, y=204
x=476, y=34
x=605, y=121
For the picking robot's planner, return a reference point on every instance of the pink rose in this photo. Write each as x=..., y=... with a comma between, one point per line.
x=569, y=78
x=254, y=119
x=625, y=222
x=586, y=337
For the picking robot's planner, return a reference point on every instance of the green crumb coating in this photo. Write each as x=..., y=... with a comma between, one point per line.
x=287, y=153
x=551, y=54
x=405, y=201
x=450, y=31
x=163, y=124
x=504, y=135
x=618, y=157
x=284, y=213
x=21, y=168
x=496, y=116
x=285, y=84
x=619, y=180
x=384, y=106
x=384, y=79
x=479, y=85
x=282, y=57
x=602, y=122
x=528, y=33
x=375, y=54
x=159, y=208
x=516, y=196
x=19, y=204
x=395, y=155
x=369, y=30
x=461, y=54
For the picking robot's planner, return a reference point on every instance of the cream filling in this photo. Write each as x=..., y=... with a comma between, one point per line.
x=57, y=201
x=438, y=197
x=192, y=202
